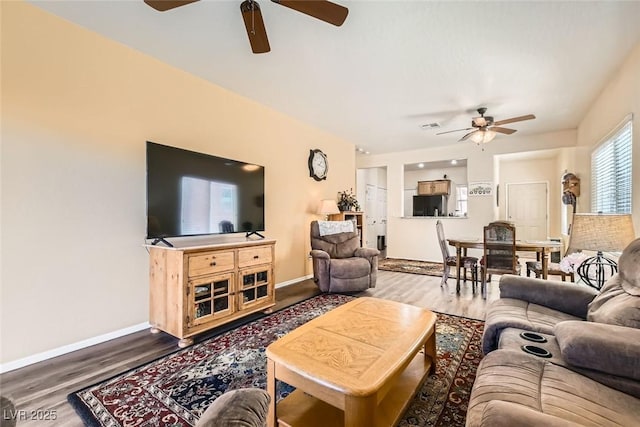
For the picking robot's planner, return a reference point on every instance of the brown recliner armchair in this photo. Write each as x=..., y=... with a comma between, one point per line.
x=339, y=263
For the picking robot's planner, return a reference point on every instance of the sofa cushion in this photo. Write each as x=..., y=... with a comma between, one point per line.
x=564, y=297
x=8, y=408
x=246, y=407
x=619, y=300
x=350, y=275
x=615, y=305
x=606, y=348
x=348, y=268
x=534, y=383
x=629, y=267
x=506, y=414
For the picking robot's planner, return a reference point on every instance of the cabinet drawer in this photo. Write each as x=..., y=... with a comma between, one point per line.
x=254, y=256
x=210, y=262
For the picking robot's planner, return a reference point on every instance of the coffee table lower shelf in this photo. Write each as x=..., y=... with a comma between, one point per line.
x=300, y=409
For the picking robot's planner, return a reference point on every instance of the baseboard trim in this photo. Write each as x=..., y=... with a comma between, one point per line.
x=293, y=281
x=50, y=354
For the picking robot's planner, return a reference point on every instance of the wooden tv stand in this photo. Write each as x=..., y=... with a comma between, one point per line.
x=196, y=288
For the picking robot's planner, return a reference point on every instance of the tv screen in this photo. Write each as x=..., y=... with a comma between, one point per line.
x=191, y=193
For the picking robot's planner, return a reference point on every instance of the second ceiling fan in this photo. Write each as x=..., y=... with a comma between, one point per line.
x=321, y=9
x=484, y=128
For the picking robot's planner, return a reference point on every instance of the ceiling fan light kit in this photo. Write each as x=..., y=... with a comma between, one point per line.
x=252, y=16
x=482, y=136
x=484, y=128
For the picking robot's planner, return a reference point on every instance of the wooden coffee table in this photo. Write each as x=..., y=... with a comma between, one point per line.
x=357, y=365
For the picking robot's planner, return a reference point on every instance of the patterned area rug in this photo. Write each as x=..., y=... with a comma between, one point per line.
x=176, y=389
x=413, y=266
x=416, y=267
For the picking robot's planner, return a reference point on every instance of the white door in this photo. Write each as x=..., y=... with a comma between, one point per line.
x=382, y=212
x=527, y=209
x=371, y=215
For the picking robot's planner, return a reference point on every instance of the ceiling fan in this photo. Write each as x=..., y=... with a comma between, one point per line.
x=321, y=9
x=484, y=128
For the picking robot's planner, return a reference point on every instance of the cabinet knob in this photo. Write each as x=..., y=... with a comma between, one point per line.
x=212, y=263
x=256, y=257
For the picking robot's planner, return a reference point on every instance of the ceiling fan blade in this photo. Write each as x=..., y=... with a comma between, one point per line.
x=320, y=9
x=449, y=131
x=164, y=5
x=467, y=136
x=506, y=131
x=255, y=26
x=514, y=119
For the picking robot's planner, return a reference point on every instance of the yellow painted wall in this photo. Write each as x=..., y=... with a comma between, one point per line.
x=76, y=111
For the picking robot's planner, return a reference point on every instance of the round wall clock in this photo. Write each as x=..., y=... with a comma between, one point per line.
x=318, y=165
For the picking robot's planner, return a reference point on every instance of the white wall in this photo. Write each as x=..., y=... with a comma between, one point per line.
x=415, y=238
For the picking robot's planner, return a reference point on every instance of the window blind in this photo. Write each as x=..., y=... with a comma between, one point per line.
x=611, y=172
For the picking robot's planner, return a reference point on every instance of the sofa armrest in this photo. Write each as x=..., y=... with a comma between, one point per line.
x=246, y=407
x=498, y=413
x=611, y=349
x=366, y=252
x=321, y=269
x=568, y=298
x=317, y=253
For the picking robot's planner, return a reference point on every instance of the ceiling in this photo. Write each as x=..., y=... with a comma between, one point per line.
x=394, y=65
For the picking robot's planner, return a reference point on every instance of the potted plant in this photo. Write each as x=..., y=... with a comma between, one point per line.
x=347, y=201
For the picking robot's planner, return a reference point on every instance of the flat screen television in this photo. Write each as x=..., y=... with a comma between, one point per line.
x=429, y=205
x=190, y=194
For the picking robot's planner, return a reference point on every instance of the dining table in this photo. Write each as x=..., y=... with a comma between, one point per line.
x=542, y=248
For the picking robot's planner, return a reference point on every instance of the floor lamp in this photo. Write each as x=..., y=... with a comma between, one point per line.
x=599, y=233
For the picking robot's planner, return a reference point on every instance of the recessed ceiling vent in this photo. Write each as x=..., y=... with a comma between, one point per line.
x=427, y=126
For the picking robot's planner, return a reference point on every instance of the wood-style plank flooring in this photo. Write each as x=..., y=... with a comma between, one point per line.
x=45, y=385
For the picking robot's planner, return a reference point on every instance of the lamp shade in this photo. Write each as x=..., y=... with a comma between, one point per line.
x=328, y=207
x=482, y=136
x=601, y=232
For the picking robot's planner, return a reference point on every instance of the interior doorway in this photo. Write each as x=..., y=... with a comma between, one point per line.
x=371, y=185
x=527, y=208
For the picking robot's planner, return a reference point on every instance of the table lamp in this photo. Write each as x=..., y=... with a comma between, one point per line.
x=328, y=207
x=599, y=233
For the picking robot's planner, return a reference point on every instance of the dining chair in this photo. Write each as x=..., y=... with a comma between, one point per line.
x=499, y=251
x=467, y=262
x=553, y=268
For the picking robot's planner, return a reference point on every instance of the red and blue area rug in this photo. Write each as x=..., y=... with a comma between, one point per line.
x=176, y=389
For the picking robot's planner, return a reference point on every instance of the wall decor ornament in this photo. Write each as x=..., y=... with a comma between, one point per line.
x=480, y=189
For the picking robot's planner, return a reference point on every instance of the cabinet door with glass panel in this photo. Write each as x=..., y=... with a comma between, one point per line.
x=210, y=297
x=255, y=286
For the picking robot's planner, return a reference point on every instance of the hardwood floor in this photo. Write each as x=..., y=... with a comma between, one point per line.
x=46, y=385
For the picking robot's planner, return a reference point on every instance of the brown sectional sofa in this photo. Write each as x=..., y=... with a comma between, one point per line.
x=587, y=368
